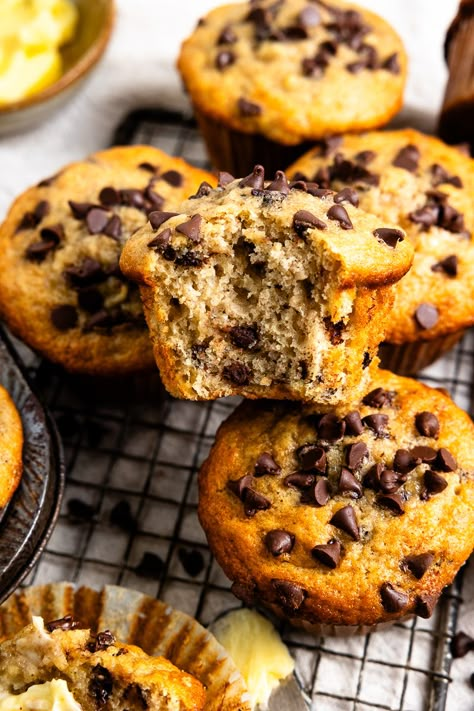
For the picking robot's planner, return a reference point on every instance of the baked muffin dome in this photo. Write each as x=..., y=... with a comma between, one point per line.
x=11, y=446
x=342, y=517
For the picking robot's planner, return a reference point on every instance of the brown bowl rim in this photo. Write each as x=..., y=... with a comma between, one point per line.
x=84, y=65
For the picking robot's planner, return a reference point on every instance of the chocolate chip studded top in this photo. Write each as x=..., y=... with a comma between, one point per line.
x=266, y=288
x=61, y=288
x=426, y=187
x=275, y=68
x=367, y=516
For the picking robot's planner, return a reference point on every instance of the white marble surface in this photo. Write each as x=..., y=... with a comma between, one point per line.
x=138, y=71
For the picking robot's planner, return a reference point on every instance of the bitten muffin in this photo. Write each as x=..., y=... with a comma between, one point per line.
x=341, y=517
x=426, y=187
x=263, y=289
x=99, y=671
x=61, y=290
x=266, y=77
x=11, y=445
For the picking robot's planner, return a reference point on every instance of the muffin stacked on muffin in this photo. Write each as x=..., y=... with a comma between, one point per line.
x=426, y=187
x=61, y=289
x=268, y=78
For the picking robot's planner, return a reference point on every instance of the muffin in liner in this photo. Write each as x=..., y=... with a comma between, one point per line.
x=410, y=358
x=135, y=618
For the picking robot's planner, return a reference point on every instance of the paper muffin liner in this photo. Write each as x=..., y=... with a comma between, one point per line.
x=135, y=618
x=238, y=152
x=409, y=358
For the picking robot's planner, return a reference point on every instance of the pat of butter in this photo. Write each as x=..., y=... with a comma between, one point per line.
x=257, y=650
x=50, y=696
x=31, y=33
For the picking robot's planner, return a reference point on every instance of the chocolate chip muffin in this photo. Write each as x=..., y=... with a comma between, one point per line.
x=338, y=516
x=266, y=289
x=11, y=444
x=61, y=289
x=265, y=77
x=426, y=187
x=99, y=671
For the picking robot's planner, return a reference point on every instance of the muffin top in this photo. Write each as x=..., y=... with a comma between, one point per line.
x=11, y=444
x=294, y=69
x=61, y=289
x=348, y=518
x=426, y=187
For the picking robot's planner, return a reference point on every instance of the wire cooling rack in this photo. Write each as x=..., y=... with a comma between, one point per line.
x=129, y=512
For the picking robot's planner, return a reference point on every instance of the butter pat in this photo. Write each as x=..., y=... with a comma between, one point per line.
x=50, y=696
x=31, y=33
x=257, y=650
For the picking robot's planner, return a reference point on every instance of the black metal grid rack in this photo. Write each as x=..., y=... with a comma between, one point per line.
x=132, y=443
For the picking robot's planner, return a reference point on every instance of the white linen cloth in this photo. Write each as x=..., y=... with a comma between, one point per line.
x=138, y=71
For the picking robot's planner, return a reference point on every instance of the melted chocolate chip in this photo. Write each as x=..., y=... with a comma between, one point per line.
x=347, y=195
x=426, y=316
x=96, y=220
x=331, y=428
x=355, y=454
x=427, y=424
x=237, y=373
x=102, y=641
x=245, y=337
x=65, y=624
x=339, y=214
x=379, y=398
x=407, y=158
x=304, y=220
x=354, y=425
x=279, y=542
x=448, y=266
x=345, y=520
x=290, y=595
x=173, y=178
x=445, y=462
x=248, y=109
x=393, y=600
x=256, y=179
x=312, y=457
x=404, y=461
x=377, y=423
x=64, y=317
x=392, y=502
x=225, y=59
x=328, y=554
x=417, y=564
x=349, y=485
x=389, y=236
x=265, y=464
x=101, y=685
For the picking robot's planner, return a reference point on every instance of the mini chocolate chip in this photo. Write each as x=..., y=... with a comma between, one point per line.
x=445, y=462
x=331, y=428
x=191, y=228
x=348, y=484
x=392, y=502
x=151, y=566
x=102, y=641
x=161, y=242
x=461, y=644
x=371, y=479
x=96, y=220
x=280, y=183
x=173, y=178
x=237, y=373
x=379, y=398
x=304, y=220
x=101, y=685
x=355, y=454
x=253, y=502
x=417, y=564
x=393, y=600
x=64, y=317
x=187, y=259
x=245, y=337
x=109, y=196
x=345, y=520
x=265, y=464
x=425, y=454
x=377, y=423
x=312, y=457
x=80, y=209
x=309, y=17
x=65, y=624
x=427, y=424
x=448, y=265
x=389, y=235
x=426, y=316
x=391, y=481
x=256, y=179
x=407, y=158
x=391, y=64
x=52, y=233
x=227, y=36
x=434, y=483
x=157, y=218
x=299, y=481
x=404, y=461
x=339, y=214
x=121, y=515
x=279, y=541
x=225, y=59
x=354, y=424
x=347, y=195
x=248, y=108
x=192, y=561
x=328, y=554
x=240, y=486
x=290, y=595
x=425, y=604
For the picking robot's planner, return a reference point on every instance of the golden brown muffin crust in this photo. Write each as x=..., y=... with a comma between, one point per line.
x=11, y=445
